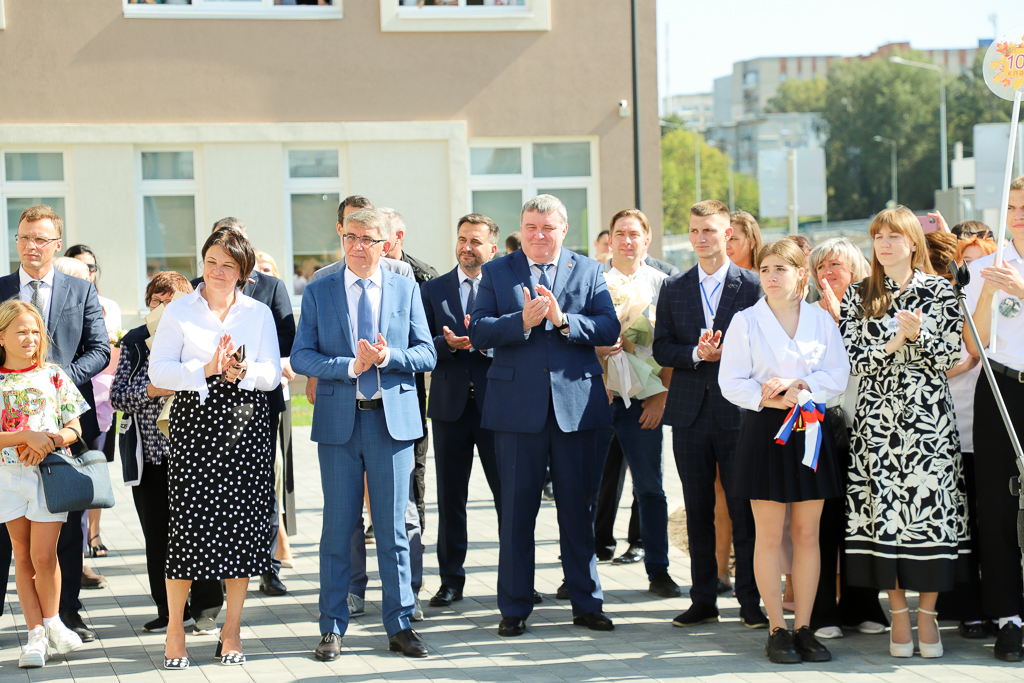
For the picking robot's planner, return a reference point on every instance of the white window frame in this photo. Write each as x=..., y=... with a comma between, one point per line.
x=535, y=16
x=212, y=9
x=307, y=186
x=35, y=188
x=3, y=20
x=167, y=188
x=528, y=184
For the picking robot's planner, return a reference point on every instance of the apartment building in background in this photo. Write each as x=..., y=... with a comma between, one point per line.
x=144, y=122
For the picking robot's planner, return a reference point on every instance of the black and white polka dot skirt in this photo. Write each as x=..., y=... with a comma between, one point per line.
x=220, y=479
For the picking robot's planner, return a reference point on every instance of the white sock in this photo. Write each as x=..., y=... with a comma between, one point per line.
x=53, y=622
x=37, y=629
x=1003, y=621
x=972, y=623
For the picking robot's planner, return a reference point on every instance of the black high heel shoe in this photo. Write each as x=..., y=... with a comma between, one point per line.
x=227, y=660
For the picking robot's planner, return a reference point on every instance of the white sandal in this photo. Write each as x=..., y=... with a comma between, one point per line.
x=903, y=650
x=929, y=650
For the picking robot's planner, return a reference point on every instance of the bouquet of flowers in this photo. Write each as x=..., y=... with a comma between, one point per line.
x=632, y=374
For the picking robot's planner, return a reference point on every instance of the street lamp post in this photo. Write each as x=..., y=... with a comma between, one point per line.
x=892, y=146
x=896, y=59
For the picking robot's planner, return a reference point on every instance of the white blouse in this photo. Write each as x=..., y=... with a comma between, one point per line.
x=187, y=338
x=757, y=349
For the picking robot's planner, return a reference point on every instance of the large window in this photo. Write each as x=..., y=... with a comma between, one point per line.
x=26, y=179
x=465, y=15
x=169, y=211
x=313, y=192
x=233, y=9
x=504, y=174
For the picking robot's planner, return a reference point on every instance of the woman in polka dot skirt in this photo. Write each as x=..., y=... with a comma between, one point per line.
x=217, y=350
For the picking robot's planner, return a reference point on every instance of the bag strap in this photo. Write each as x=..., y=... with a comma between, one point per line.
x=79, y=435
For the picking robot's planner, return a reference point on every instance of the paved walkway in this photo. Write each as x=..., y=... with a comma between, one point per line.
x=280, y=633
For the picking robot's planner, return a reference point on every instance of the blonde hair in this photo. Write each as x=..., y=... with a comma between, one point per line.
x=790, y=252
x=874, y=297
x=264, y=256
x=843, y=249
x=709, y=207
x=71, y=267
x=9, y=312
x=748, y=224
x=41, y=212
x=1017, y=183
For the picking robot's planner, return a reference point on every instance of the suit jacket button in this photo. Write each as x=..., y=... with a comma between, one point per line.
x=544, y=370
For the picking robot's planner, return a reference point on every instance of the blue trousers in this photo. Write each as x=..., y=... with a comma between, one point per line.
x=641, y=449
x=522, y=459
x=387, y=464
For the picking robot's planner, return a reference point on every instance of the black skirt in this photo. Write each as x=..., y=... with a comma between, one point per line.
x=766, y=470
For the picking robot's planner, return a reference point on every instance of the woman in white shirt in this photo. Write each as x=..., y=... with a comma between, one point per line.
x=220, y=468
x=777, y=349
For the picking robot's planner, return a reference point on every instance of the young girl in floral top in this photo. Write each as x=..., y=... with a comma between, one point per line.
x=40, y=412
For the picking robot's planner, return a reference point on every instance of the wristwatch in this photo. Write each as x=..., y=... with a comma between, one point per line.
x=565, y=323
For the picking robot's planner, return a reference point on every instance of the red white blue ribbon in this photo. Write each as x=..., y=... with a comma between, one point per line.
x=811, y=408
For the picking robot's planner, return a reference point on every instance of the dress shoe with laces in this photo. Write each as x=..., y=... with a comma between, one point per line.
x=73, y=620
x=270, y=584
x=408, y=643
x=663, y=586
x=445, y=596
x=537, y=598
x=780, y=648
x=511, y=627
x=808, y=646
x=329, y=648
x=605, y=554
x=751, y=616
x=633, y=554
x=699, y=613
x=1008, y=643
x=563, y=591
x=595, y=621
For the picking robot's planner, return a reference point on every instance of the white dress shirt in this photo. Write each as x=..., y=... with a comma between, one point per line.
x=758, y=349
x=187, y=338
x=45, y=292
x=1009, y=330
x=711, y=286
x=353, y=290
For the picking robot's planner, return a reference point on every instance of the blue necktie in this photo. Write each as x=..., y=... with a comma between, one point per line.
x=543, y=279
x=367, y=383
x=471, y=299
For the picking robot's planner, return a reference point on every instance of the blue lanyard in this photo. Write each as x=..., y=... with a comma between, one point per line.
x=707, y=298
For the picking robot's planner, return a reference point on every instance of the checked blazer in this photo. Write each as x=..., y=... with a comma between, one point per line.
x=680, y=321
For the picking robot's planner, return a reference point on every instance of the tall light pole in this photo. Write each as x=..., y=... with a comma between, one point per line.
x=942, y=109
x=892, y=145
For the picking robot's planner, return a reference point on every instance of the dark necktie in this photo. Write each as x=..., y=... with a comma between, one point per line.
x=543, y=279
x=368, y=383
x=471, y=299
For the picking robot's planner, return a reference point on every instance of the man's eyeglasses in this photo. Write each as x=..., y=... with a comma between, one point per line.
x=39, y=242
x=367, y=242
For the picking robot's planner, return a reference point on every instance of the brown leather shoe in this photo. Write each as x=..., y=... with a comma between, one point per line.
x=329, y=648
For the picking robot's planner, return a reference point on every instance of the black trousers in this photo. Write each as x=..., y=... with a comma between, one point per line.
x=275, y=515
x=963, y=603
x=612, y=482
x=994, y=465
x=698, y=449
x=69, y=557
x=151, y=504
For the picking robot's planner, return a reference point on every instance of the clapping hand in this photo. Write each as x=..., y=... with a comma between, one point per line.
x=534, y=310
x=829, y=300
x=554, y=313
x=708, y=348
x=1005, y=278
x=368, y=355
x=222, y=357
x=910, y=323
x=455, y=342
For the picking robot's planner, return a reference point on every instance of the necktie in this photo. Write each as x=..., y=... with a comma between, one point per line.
x=543, y=279
x=471, y=299
x=37, y=296
x=368, y=383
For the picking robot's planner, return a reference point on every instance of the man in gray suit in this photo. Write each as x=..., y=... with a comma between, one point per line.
x=74, y=321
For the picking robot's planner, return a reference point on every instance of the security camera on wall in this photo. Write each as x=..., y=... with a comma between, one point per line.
x=623, y=108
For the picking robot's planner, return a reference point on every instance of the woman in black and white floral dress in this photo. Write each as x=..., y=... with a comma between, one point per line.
x=907, y=512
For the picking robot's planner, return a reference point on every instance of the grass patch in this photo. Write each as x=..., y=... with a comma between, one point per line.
x=302, y=411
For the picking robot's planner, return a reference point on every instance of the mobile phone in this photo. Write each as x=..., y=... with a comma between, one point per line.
x=239, y=354
x=928, y=223
x=9, y=455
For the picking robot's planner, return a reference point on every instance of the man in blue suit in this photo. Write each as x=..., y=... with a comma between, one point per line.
x=543, y=310
x=363, y=334
x=694, y=311
x=78, y=343
x=458, y=386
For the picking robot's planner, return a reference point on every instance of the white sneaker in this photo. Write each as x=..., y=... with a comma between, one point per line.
x=34, y=654
x=355, y=605
x=871, y=627
x=62, y=639
x=829, y=632
x=417, y=611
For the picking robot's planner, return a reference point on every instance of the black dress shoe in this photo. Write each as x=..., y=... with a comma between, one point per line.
x=634, y=553
x=808, y=646
x=511, y=627
x=663, y=586
x=271, y=585
x=329, y=648
x=537, y=598
x=751, y=616
x=699, y=613
x=780, y=649
x=562, y=593
x=1008, y=643
x=605, y=554
x=408, y=643
x=973, y=631
x=723, y=587
x=595, y=621
x=73, y=620
x=445, y=596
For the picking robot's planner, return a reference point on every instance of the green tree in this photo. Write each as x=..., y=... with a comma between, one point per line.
x=797, y=95
x=969, y=102
x=678, y=178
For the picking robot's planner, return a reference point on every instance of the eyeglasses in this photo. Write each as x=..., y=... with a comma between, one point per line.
x=367, y=242
x=92, y=267
x=39, y=242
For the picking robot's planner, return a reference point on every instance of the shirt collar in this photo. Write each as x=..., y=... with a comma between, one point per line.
x=351, y=278
x=26, y=278
x=893, y=287
x=196, y=298
x=1010, y=252
x=718, y=276
x=552, y=262
x=465, y=278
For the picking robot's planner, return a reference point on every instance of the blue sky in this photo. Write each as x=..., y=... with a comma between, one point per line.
x=705, y=38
